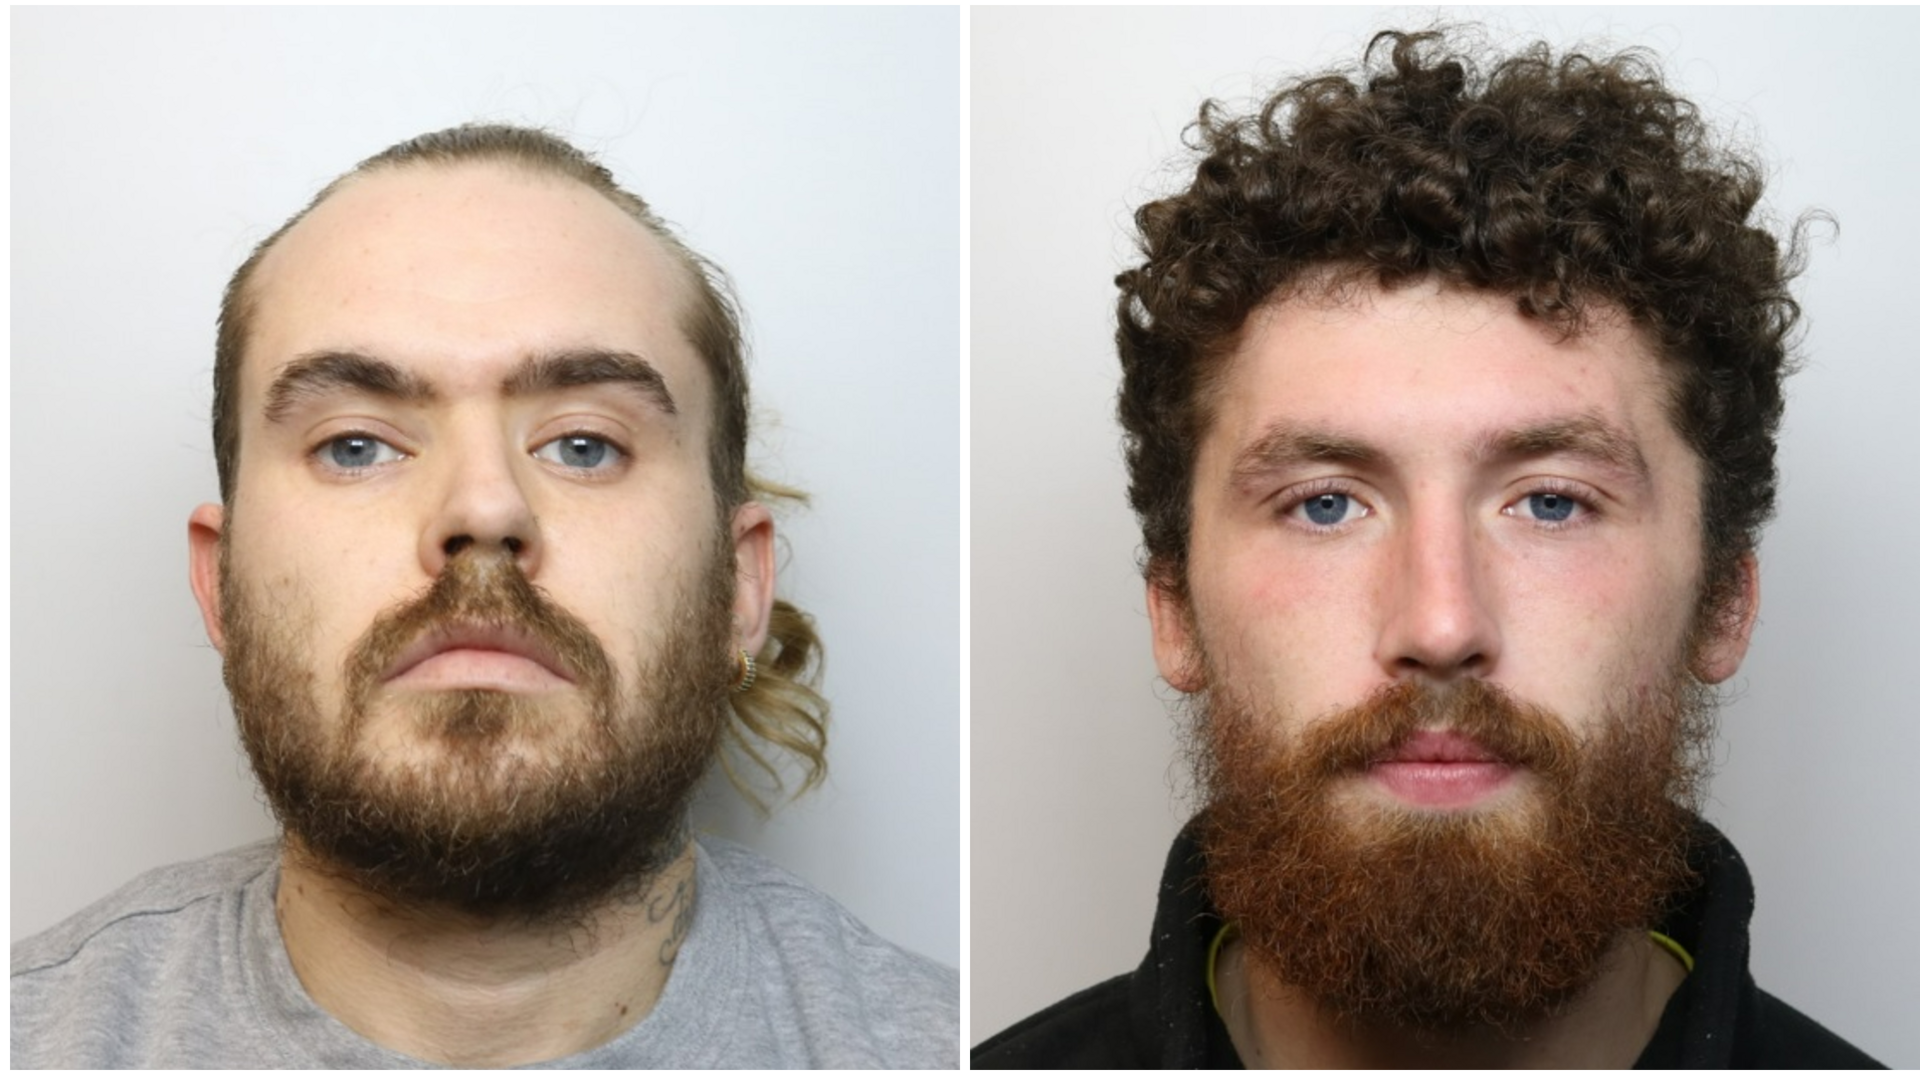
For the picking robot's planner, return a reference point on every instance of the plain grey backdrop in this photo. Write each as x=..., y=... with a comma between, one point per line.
x=813, y=153
x=1075, y=782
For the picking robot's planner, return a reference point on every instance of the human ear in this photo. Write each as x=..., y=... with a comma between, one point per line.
x=753, y=575
x=204, y=528
x=1728, y=631
x=1173, y=639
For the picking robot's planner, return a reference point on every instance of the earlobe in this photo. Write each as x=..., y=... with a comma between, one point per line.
x=753, y=560
x=1173, y=644
x=1728, y=631
x=205, y=526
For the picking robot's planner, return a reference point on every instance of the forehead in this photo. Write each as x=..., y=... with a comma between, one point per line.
x=1424, y=367
x=462, y=271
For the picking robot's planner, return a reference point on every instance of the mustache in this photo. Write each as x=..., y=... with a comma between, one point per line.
x=1515, y=731
x=477, y=589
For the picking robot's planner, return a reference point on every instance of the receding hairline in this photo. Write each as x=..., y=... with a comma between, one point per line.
x=535, y=172
x=254, y=283
x=707, y=314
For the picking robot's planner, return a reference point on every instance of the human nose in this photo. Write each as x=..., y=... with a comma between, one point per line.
x=1438, y=619
x=483, y=503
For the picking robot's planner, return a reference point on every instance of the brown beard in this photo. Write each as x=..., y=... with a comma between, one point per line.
x=1448, y=921
x=530, y=808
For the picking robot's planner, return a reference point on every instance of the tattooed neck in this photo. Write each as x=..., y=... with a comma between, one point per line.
x=674, y=907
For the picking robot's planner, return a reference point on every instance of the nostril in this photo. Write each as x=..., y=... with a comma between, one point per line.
x=456, y=544
x=514, y=544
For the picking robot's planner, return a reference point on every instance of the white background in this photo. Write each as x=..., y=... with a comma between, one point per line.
x=813, y=154
x=1074, y=776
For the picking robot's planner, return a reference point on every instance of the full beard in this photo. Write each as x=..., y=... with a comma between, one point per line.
x=504, y=805
x=1448, y=921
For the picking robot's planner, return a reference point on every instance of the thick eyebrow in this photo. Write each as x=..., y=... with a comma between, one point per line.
x=331, y=370
x=1586, y=437
x=315, y=374
x=1284, y=445
x=588, y=367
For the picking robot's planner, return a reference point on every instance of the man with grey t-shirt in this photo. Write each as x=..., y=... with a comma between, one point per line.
x=491, y=582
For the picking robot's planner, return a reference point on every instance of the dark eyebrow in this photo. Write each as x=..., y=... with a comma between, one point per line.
x=587, y=367
x=318, y=373
x=1587, y=437
x=338, y=369
x=1283, y=445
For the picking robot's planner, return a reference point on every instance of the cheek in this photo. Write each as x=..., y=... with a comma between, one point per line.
x=1583, y=629
x=623, y=583
x=1564, y=598
x=1304, y=600
x=318, y=597
x=1287, y=618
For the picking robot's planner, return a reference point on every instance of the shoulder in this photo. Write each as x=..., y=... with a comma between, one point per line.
x=1089, y=1030
x=846, y=984
x=81, y=988
x=1786, y=1038
x=148, y=904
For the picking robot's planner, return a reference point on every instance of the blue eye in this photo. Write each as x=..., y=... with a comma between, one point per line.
x=353, y=452
x=579, y=452
x=1551, y=507
x=1329, y=509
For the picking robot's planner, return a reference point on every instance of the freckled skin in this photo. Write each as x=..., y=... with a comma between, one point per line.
x=1439, y=569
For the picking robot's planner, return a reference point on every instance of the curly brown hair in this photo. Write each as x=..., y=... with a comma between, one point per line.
x=1559, y=182
x=783, y=708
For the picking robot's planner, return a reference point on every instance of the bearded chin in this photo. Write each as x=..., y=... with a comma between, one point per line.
x=1447, y=921
x=498, y=805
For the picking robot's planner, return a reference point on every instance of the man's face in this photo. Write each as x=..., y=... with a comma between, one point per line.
x=474, y=376
x=1443, y=577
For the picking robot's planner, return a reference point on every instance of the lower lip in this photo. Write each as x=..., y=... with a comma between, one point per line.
x=1441, y=784
x=479, y=669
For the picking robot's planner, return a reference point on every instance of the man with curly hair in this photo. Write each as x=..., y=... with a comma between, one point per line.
x=492, y=585
x=1450, y=392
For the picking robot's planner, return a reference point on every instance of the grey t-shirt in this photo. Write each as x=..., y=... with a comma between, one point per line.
x=185, y=968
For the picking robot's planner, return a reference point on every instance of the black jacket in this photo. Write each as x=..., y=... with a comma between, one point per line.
x=1159, y=1016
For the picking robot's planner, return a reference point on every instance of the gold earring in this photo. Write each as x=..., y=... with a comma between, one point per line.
x=749, y=671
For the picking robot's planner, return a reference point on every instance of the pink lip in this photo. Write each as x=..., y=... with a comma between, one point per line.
x=481, y=644
x=1441, y=770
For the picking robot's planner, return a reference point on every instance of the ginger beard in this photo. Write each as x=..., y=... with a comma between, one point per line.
x=507, y=805
x=1448, y=920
